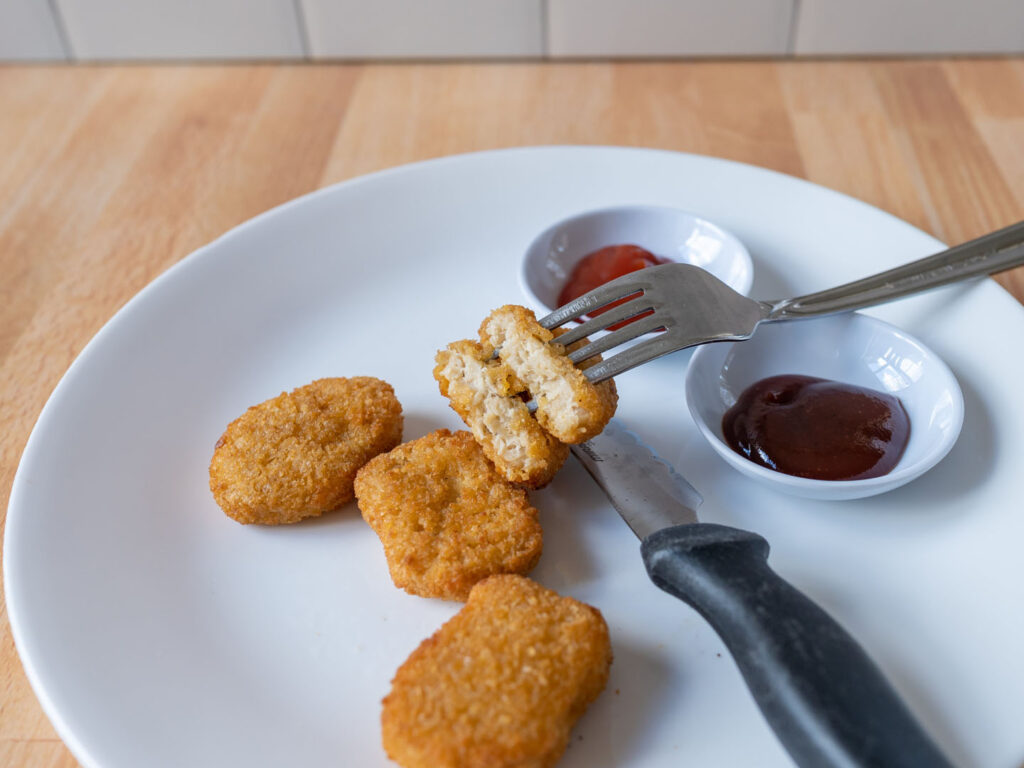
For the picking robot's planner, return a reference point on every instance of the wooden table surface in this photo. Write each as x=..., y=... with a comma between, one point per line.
x=109, y=175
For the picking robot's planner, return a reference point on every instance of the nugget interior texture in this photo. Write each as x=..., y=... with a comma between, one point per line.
x=296, y=455
x=501, y=684
x=445, y=516
x=568, y=406
x=484, y=393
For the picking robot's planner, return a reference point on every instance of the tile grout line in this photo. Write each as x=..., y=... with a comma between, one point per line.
x=794, y=23
x=545, y=32
x=62, y=30
x=300, y=18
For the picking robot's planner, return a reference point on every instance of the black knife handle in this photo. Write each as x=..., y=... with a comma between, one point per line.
x=825, y=699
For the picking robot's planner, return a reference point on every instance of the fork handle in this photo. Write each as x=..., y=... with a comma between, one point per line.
x=825, y=699
x=991, y=253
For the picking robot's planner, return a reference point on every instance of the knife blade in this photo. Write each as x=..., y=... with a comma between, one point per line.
x=827, y=702
x=650, y=495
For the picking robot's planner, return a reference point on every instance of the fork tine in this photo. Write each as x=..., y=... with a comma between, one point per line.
x=617, y=289
x=634, y=356
x=615, y=338
x=624, y=311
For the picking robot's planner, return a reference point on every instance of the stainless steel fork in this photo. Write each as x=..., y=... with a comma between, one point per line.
x=693, y=307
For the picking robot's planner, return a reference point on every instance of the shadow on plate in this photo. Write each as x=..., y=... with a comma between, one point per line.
x=346, y=515
x=620, y=720
x=769, y=282
x=563, y=507
x=937, y=724
x=968, y=465
x=416, y=425
x=920, y=702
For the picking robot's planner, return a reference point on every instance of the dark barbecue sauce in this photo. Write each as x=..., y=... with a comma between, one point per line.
x=602, y=266
x=817, y=428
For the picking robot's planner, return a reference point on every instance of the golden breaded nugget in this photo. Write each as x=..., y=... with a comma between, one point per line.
x=499, y=685
x=445, y=516
x=568, y=406
x=296, y=455
x=484, y=393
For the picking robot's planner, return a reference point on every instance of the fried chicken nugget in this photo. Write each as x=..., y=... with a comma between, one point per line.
x=501, y=684
x=568, y=406
x=296, y=455
x=445, y=516
x=484, y=392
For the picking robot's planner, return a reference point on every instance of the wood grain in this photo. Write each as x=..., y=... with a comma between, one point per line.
x=108, y=175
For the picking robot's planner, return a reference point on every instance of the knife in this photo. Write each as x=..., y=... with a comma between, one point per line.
x=825, y=699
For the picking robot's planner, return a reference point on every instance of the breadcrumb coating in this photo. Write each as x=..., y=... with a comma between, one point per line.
x=296, y=455
x=485, y=393
x=445, y=516
x=501, y=684
x=568, y=406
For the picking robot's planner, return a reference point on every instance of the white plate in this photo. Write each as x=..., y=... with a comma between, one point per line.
x=157, y=632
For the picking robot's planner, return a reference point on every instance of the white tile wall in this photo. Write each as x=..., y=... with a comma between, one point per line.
x=668, y=27
x=358, y=29
x=173, y=29
x=28, y=30
x=423, y=28
x=909, y=26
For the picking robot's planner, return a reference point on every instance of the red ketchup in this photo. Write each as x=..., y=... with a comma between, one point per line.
x=597, y=268
x=817, y=428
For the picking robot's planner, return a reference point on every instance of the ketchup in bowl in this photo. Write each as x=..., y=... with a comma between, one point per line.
x=597, y=268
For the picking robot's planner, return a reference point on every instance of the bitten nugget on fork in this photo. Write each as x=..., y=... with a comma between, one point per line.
x=489, y=383
x=568, y=406
x=485, y=393
x=501, y=684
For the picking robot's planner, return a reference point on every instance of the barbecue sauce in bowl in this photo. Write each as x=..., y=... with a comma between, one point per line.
x=817, y=428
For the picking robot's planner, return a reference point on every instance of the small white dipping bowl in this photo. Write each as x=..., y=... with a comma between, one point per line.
x=667, y=232
x=851, y=348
